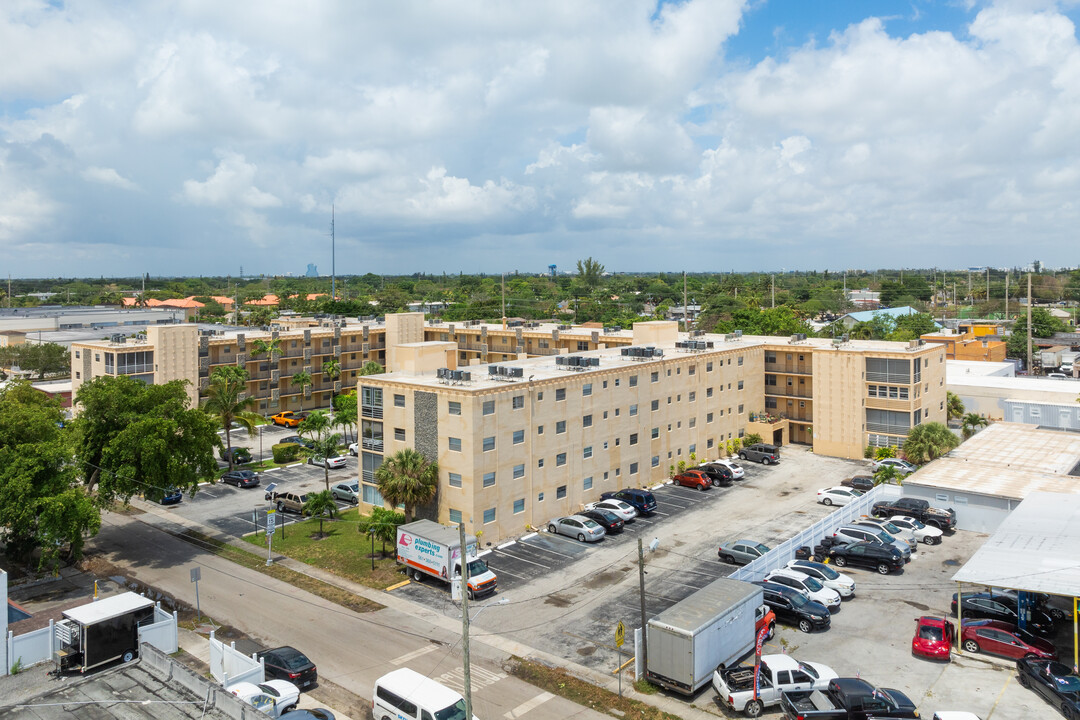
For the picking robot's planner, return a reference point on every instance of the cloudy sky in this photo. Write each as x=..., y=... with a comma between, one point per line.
x=198, y=136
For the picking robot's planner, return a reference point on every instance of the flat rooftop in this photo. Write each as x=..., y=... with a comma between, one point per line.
x=962, y=369
x=1017, y=384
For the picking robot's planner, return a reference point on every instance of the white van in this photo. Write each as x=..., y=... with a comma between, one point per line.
x=407, y=695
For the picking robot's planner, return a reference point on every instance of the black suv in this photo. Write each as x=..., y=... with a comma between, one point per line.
x=996, y=606
x=641, y=500
x=607, y=520
x=718, y=474
x=878, y=557
x=863, y=483
x=761, y=452
x=793, y=607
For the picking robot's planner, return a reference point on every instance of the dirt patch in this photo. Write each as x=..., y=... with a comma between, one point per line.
x=557, y=600
x=918, y=605
x=586, y=651
x=603, y=580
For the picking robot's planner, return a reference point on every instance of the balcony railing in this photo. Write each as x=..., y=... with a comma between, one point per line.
x=785, y=392
x=372, y=444
x=371, y=411
x=789, y=368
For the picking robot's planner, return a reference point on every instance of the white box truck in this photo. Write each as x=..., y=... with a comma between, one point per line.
x=427, y=548
x=712, y=628
x=1068, y=362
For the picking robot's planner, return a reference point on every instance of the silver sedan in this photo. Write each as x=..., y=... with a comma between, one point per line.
x=347, y=491
x=576, y=526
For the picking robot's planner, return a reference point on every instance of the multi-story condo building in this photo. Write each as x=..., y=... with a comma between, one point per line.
x=522, y=440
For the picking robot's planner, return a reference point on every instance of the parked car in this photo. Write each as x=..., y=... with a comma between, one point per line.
x=933, y=638
x=241, y=478
x=288, y=663
x=624, y=511
x=764, y=617
x=884, y=525
x=1042, y=601
x=883, y=558
x=1005, y=639
x=693, y=479
x=901, y=466
x=311, y=714
x=807, y=585
x=855, y=533
x=859, y=482
x=334, y=463
x=273, y=697
x=848, y=699
x=737, y=472
x=749, y=690
x=826, y=575
x=741, y=552
x=837, y=495
x=347, y=491
x=1002, y=607
x=297, y=440
x=611, y=522
x=287, y=501
x=926, y=534
x=641, y=500
x=576, y=526
x=761, y=452
x=1054, y=682
x=171, y=496
x=719, y=475
x=944, y=518
x=288, y=418
x=239, y=455
x=794, y=608
x=354, y=449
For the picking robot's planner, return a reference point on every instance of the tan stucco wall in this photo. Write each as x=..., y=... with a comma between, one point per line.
x=176, y=356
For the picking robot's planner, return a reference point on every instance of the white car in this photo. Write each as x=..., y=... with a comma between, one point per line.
x=577, y=526
x=736, y=469
x=902, y=466
x=333, y=463
x=826, y=575
x=273, y=697
x=926, y=534
x=838, y=495
x=354, y=449
x=624, y=511
x=809, y=586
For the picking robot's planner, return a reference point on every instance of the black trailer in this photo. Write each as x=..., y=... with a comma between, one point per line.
x=103, y=631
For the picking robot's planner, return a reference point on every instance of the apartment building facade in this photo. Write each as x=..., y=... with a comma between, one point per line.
x=540, y=439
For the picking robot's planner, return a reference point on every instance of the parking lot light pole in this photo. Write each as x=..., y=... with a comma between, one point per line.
x=644, y=649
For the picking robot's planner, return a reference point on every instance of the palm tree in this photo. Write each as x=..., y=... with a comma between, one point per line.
x=347, y=415
x=320, y=504
x=302, y=380
x=332, y=368
x=315, y=425
x=372, y=368
x=888, y=475
x=269, y=347
x=408, y=478
x=928, y=441
x=326, y=447
x=954, y=406
x=223, y=402
x=971, y=422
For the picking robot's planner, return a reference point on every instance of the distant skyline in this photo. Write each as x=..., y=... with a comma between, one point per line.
x=192, y=137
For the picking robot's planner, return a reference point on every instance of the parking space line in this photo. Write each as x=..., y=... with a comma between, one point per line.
x=531, y=562
x=553, y=552
x=504, y=571
x=528, y=705
x=402, y=659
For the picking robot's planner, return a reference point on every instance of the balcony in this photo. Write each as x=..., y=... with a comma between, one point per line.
x=792, y=368
x=901, y=405
x=780, y=391
x=370, y=411
x=372, y=444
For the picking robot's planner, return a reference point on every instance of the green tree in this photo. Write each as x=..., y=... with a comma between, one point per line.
x=326, y=446
x=590, y=272
x=302, y=380
x=372, y=368
x=320, y=505
x=971, y=423
x=44, y=358
x=382, y=524
x=346, y=413
x=43, y=507
x=888, y=475
x=1043, y=325
x=259, y=316
x=332, y=369
x=131, y=437
x=954, y=406
x=270, y=347
x=929, y=441
x=409, y=479
x=768, y=321
x=225, y=402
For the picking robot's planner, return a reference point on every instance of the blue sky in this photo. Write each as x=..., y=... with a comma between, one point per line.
x=194, y=136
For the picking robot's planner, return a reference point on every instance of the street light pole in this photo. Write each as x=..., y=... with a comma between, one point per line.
x=465, y=677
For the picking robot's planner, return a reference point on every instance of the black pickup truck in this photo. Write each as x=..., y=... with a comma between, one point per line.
x=848, y=699
x=921, y=510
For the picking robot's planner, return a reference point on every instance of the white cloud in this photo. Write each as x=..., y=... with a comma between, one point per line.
x=108, y=176
x=230, y=186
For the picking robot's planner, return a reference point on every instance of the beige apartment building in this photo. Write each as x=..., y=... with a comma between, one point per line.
x=189, y=353
x=530, y=438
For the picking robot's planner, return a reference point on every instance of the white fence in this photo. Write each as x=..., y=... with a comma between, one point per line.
x=779, y=556
x=162, y=633
x=228, y=665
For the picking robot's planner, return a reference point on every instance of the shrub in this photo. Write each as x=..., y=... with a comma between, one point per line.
x=868, y=453
x=751, y=439
x=883, y=453
x=286, y=452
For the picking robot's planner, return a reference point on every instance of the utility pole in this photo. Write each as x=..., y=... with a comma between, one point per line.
x=1029, y=369
x=644, y=627
x=987, y=283
x=504, y=301
x=685, y=307
x=1006, y=296
x=772, y=289
x=466, y=675
x=333, y=257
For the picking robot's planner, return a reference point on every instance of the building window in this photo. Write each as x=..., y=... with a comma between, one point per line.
x=560, y=459
x=560, y=394
x=708, y=392
x=710, y=444
x=633, y=468
x=616, y=382
x=455, y=444
x=489, y=443
x=633, y=438
x=399, y=434
x=455, y=516
x=588, y=452
x=740, y=384
x=655, y=405
x=586, y=389
x=692, y=397
x=560, y=427
x=655, y=461
x=540, y=463
x=587, y=483
x=655, y=377
x=633, y=381
x=693, y=422
x=692, y=449
x=399, y=401
x=78, y=375
x=519, y=471
x=489, y=516
x=708, y=367
x=519, y=437
x=709, y=418
x=76, y=354
x=455, y=480
x=633, y=410
x=539, y=396
x=655, y=433
x=518, y=403
x=740, y=360
x=519, y=506
x=489, y=479
x=740, y=409
x=539, y=429
x=489, y=407
x=692, y=370
x=560, y=492
x=586, y=421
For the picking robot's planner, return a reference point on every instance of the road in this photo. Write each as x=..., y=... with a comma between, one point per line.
x=350, y=649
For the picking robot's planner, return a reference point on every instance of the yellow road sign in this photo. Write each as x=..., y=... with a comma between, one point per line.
x=620, y=634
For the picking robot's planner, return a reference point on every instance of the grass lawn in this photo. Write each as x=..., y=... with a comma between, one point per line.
x=344, y=551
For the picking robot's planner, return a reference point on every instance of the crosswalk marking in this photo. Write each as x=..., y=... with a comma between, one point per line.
x=478, y=678
x=528, y=705
x=401, y=660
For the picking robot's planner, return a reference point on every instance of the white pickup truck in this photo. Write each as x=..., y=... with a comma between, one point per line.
x=779, y=674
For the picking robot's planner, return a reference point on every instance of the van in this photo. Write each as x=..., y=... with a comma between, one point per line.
x=405, y=694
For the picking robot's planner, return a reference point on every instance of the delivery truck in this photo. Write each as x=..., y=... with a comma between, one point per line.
x=711, y=629
x=428, y=549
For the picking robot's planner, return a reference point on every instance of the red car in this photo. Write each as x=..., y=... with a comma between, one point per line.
x=933, y=638
x=694, y=479
x=997, y=637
